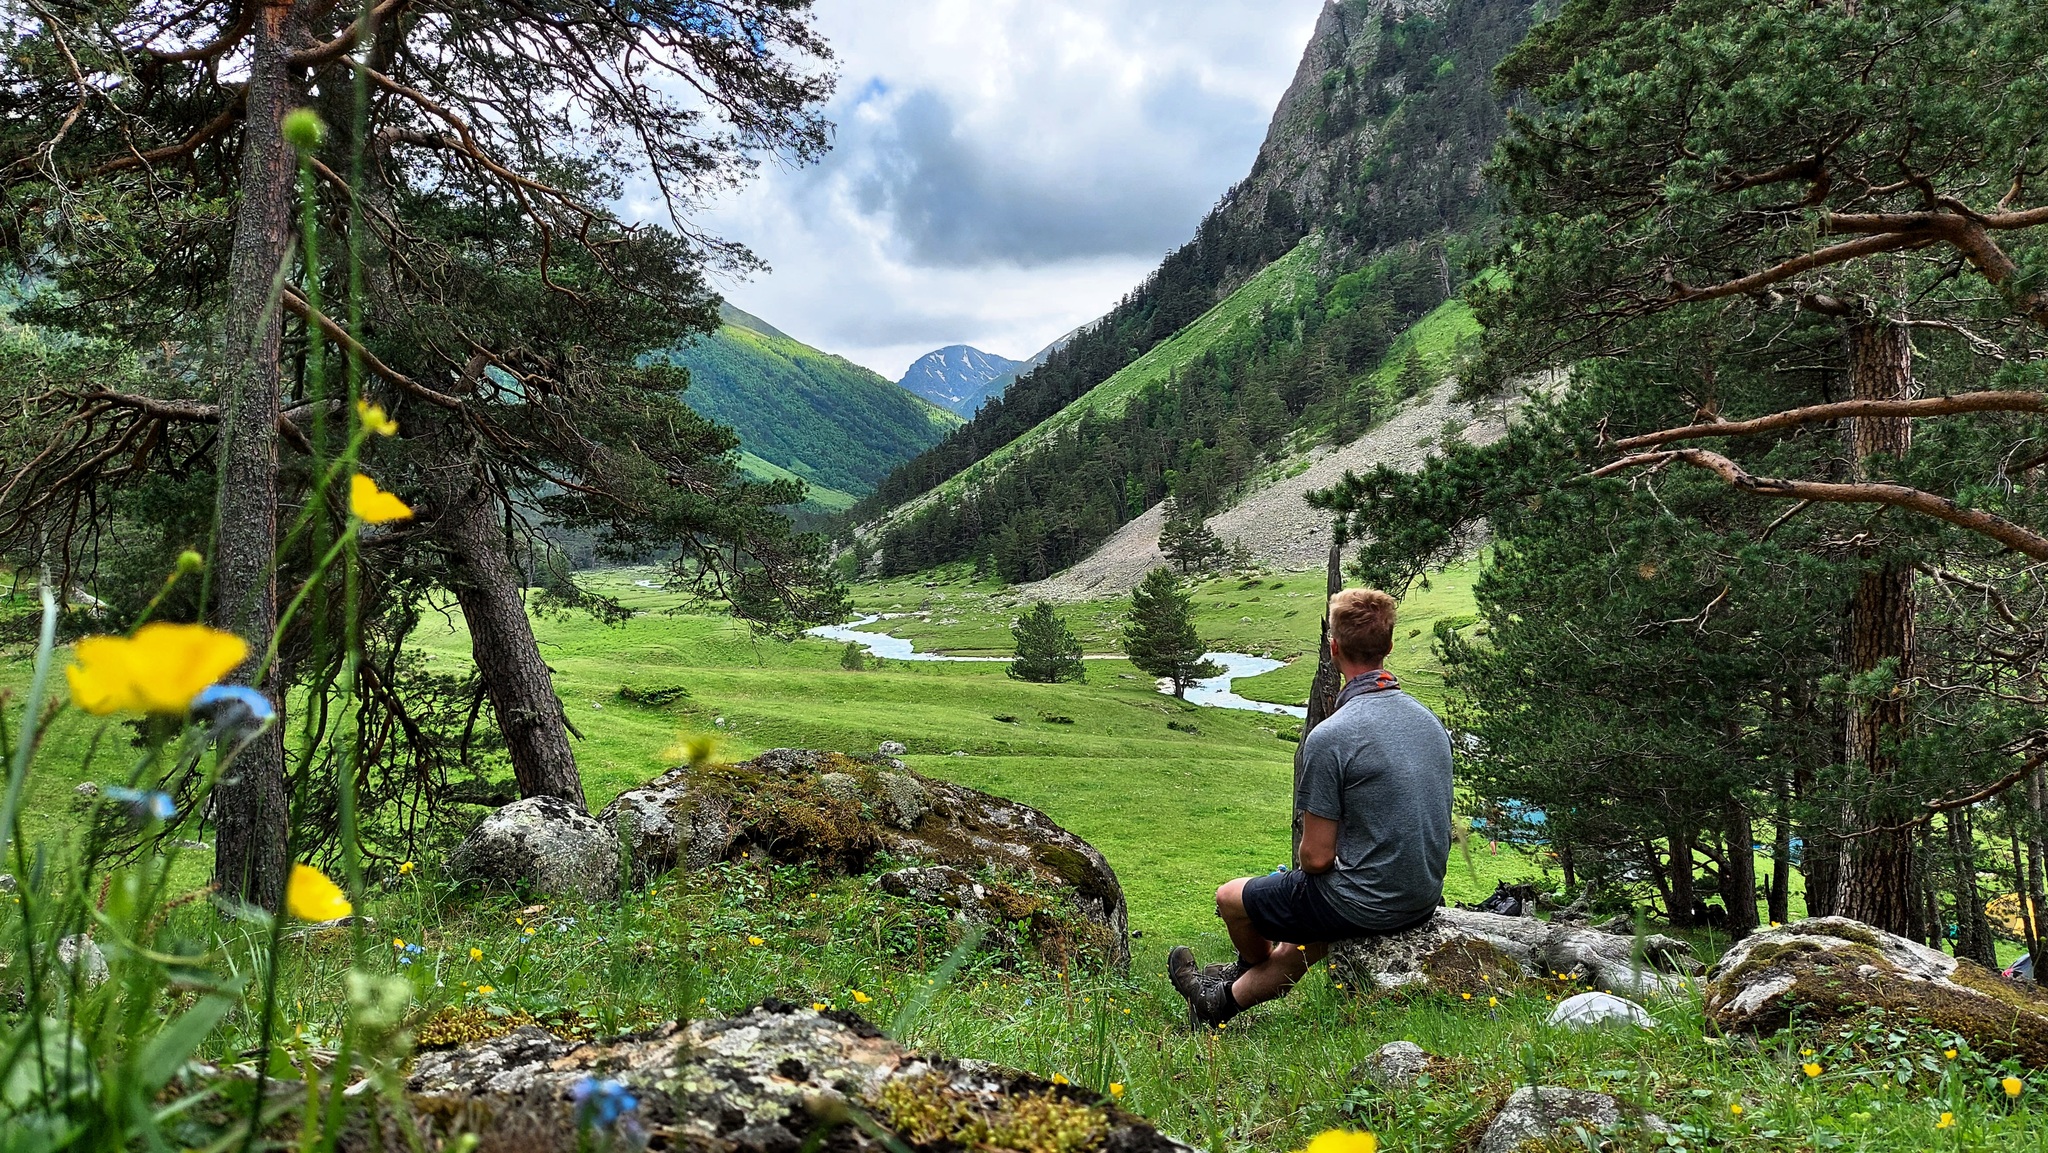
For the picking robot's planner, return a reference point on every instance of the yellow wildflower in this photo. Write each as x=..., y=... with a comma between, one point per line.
x=1467, y=996
x=476, y=954
x=860, y=998
x=1060, y=1079
x=485, y=990
x=1735, y=1109
x=1493, y=1002
x=1948, y=1121
x=158, y=670
x=375, y=420
x=2013, y=1086
x=819, y=1006
x=1949, y=1053
x=1810, y=1069
x=310, y=896
x=372, y=505
x=756, y=942
x=530, y=930
x=1116, y=1088
x=1343, y=1141
x=398, y=942
x=405, y=867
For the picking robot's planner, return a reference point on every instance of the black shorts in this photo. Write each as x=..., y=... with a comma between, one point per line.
x=1288, y=908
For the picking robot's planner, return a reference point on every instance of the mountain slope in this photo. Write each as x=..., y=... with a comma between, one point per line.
x=959, y=378
x=818, y=417
x=1375, y=152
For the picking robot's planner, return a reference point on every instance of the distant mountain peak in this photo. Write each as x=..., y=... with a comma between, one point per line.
x=960, y=377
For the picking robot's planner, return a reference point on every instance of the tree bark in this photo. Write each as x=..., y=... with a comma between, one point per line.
x=2030, y=928
x=1680, y=903
x=1879, y=883
x=493, y=599
x=1781, y=856
x=1973, y=928
x=249, y=807
x=1322, y=691
x=2035, y=898
x=1738, y=872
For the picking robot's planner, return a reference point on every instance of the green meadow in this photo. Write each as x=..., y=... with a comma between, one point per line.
x=1176, y=812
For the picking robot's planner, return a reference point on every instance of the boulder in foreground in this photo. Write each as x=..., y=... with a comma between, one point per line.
x=1833, y=968
x=1543, y=1117
x=769, y=1082
x=1469, y=952
x=988, y=856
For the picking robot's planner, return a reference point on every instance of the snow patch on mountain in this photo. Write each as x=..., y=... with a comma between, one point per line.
x=959, y=377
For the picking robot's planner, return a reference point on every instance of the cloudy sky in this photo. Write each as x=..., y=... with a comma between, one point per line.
x=1004, y=170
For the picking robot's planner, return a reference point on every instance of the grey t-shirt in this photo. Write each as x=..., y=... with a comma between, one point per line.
x=1381, y=768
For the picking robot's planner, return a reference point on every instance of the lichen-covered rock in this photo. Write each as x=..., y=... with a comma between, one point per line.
x=1466, y=952
x=1542, y=1113
x=1832, y=968
x=1397, y=1065
x=843, y=812
x=893, y=749
x=543, y=846
x=766, y=1082
x=79, y=955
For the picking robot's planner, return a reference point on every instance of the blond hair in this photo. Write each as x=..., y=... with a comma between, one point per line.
x=1362, y=625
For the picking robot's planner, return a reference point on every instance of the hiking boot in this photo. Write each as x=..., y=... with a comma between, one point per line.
x=1228, y=974
x=1207, y=990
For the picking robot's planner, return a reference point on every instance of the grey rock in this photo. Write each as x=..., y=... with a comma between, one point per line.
x=1397, y=1065
x=1536, y=1113
x=907, y=800
x=543, y=846
x=87, y=790
x=1831, y=968
x=8, y=883
x=762, y=1083
x=83, y=957
x=1599, y=1010
x=864, y=807
x=1456, y=948
x=893, y=749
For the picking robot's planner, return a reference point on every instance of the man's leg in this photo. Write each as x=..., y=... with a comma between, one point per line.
x=1252, y=948
x=1270, y=981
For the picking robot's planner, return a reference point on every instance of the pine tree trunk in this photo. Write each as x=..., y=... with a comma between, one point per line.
x=1973, y=929
x=2030, y=928
x=1781, y=856
x=1680, y=902
x=1738, y=875
x=493, y=600
x=1879, y=884
x=250, y=852
x=1323, y=690
x=2035, y=898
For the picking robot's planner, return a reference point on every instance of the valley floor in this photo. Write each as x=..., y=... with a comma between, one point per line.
x=1175, y=811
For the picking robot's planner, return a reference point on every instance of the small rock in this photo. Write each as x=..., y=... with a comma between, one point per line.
x=1536, y=1114
x=845, y=786
x=87, y=789
x=80, y=954
x=908, y=802
x=1597, y=1010
x=893, y=749
x=1397, y=1065
x=541, y=845
x=7, y=883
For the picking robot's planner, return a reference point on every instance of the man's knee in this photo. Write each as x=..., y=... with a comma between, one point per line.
x=1230, y=900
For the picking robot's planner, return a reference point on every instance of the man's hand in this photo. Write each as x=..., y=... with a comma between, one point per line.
x=1318, y=843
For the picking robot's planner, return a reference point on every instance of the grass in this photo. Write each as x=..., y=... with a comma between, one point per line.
x=1175, y=812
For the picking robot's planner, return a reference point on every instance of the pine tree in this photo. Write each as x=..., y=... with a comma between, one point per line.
x=1187, y=541
x=1047, y=652
x=1415, y=378
x=1161, y=637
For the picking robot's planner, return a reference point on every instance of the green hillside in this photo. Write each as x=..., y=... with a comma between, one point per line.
x=1281, y=282
x=806, y=413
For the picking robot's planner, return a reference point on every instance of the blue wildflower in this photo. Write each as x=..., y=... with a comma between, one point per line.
x=143, y=806
x=233, y=706
x=602, y=1103
x=409, y=953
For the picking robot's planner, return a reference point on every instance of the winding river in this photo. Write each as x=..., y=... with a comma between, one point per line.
x=1214, y=693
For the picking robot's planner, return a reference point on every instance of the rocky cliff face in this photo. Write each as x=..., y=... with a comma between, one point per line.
x=1381, y=138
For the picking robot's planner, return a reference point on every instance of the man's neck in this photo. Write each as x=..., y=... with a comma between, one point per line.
x=1353, y=672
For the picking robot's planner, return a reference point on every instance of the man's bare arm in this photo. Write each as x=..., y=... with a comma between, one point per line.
x=1318, y=843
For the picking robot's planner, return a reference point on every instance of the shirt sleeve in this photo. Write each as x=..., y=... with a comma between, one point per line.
x=1322, y=781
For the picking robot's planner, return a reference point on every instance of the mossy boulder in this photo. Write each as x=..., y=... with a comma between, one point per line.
x=1832, y=969
x=849, y=813
x=1459, y=952
x=770, y=1081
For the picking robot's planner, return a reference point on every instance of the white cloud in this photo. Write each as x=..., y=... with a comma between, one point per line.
x=1005, y=170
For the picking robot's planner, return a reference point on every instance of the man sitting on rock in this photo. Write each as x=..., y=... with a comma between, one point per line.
x=1375, y=805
